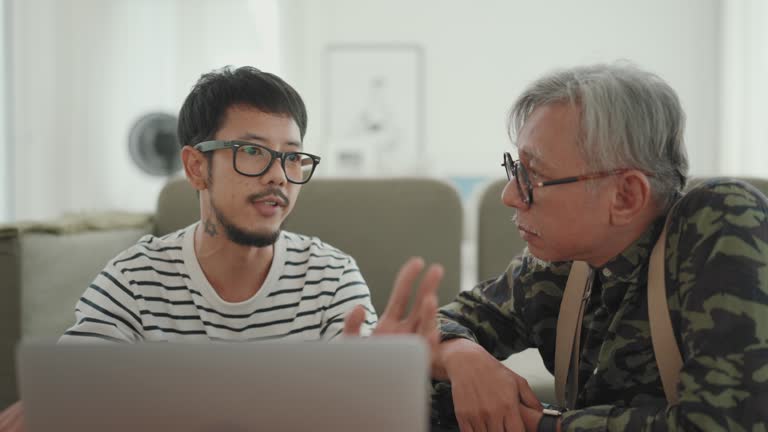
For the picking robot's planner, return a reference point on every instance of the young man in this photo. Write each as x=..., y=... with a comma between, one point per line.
x=235, y=275
x=601, y=166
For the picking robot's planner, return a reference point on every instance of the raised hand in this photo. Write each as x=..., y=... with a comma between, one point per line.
x=421, y=319
x=12, y=418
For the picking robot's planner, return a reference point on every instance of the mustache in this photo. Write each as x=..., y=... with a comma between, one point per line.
x=277, y=193
x=516, y=222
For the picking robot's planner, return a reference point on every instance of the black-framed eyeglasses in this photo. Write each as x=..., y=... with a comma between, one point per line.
x=515, y=169
x=253, y=160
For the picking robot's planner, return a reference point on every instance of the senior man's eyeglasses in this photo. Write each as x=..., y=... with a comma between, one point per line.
x=515, y=169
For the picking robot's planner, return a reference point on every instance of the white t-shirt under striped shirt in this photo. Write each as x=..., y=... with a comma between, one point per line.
x=156, y=291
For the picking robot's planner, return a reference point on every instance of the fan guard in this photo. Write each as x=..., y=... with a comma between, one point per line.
x=154, y=145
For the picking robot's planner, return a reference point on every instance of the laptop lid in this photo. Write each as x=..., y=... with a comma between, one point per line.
x=366, y=384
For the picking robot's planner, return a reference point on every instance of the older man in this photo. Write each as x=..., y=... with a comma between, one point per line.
x=600, y=169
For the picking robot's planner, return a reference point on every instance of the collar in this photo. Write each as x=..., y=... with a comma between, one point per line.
x=630, y=267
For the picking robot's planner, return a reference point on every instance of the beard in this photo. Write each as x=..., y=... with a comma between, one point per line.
x=527, y=249
x=239, y=235
x=242, y=236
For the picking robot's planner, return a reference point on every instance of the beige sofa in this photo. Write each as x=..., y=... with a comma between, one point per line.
x=45, y=267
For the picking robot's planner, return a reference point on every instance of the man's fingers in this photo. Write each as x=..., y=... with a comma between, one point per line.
x=478, y=425
x=513, y=421
x=527, y=396
x=465, y=426
x=427, y=315
x=354, y=320
x=12, y=419
x=427, y=290
x=496, y=425
x=402, y=289
x=530, y=417
x=509, y=425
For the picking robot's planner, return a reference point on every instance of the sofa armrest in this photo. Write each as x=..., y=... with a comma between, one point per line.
x=45, y=268
x=10, y=312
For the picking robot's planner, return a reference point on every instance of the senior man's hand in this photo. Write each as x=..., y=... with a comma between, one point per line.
x=487, y=396
x=12, y=418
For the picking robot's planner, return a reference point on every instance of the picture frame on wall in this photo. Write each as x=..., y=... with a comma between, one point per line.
x=374, y=110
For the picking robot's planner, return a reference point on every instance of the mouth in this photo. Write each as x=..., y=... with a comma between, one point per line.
x=528, y=230
x=271, y=203
x=525, y=228
x=270, y=199
x=269, y=206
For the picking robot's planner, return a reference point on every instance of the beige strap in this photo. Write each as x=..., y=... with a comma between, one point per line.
x=572, y=382
x=569, y=331
x=577, y=291
x=665, y=347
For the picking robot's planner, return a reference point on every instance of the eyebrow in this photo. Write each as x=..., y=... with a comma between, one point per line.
x=531, y=157
x=253, y=136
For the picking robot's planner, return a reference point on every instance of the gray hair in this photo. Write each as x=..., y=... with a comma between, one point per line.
x=630, y=118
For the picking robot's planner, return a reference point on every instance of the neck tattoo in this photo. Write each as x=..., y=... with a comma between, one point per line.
x=210, y=228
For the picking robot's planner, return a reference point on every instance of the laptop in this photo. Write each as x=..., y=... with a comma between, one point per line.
x=362, y=384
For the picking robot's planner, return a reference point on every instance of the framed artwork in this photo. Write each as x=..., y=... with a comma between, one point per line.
x=375, y=110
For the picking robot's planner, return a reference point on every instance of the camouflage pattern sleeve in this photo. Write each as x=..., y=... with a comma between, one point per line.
x=717, y=288
x=486, y=315
x=515, y=311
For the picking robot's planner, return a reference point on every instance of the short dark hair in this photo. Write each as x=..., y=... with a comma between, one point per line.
x=215, y=92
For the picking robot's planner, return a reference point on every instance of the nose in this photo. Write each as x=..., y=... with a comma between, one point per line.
x=510, y=196
x=275, y=174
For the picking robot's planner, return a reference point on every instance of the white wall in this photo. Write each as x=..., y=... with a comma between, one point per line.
x=6, y=185
x=480, y=55
x=84, y=70
x=744, y=89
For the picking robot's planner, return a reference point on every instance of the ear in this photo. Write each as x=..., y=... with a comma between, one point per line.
x=195, y=167
x=631, y=198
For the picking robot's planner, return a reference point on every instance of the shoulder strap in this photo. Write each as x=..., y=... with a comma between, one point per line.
x=569, y=332
x=571, y=312
x=665, y=347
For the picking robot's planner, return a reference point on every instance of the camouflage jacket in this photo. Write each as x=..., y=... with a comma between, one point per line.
x=717, y=288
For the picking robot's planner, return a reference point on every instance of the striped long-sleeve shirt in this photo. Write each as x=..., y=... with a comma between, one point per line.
x=156, y=291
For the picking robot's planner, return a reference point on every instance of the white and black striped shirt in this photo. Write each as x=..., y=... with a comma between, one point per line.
x=156, y=291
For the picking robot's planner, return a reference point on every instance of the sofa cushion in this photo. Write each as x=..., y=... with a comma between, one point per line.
x=45, y=269
x=56, y=269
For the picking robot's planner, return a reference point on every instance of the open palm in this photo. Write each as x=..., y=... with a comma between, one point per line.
x=394, y=320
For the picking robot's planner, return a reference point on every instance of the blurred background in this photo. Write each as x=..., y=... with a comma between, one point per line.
x=396, y=87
